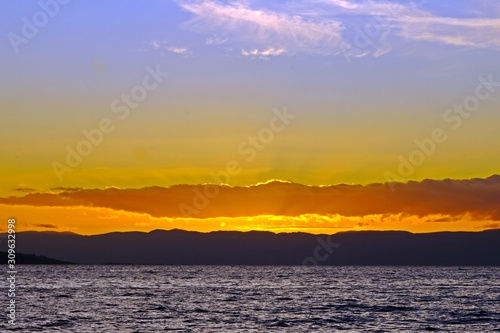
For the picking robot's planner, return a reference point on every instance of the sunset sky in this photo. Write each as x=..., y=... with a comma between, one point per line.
x=121, y=115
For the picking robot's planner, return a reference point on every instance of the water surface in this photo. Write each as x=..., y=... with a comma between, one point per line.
x=256, y=299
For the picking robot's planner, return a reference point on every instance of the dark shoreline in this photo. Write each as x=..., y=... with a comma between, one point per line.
x=177, y=247
x=32, y=259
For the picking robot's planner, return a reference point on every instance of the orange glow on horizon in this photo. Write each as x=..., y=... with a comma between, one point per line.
x=92, y=221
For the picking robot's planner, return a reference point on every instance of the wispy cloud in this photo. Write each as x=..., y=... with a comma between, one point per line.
x=215, y=40
x=156, y=44
x=176, y=49
x=162, y=46
x=373, y=8
x=470, y=32
x=329, y=27
x=264, y=27
x=263, y=54
x=24, y=189
x=45, y=226
x=413, y=23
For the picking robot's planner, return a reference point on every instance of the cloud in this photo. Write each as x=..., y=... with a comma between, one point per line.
x=24, y=189
x=490, y=226
x=61, y=188
x=336, y=27
x=156, y=44
x=216, y=40
x=264, y=26
x=373, y=8
x=435, y=201
x=177, y=50
x=413, y=23
x=45, y=226
x=264, y=54
x=162, y=45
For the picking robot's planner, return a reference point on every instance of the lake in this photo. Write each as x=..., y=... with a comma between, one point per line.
x=255, y=299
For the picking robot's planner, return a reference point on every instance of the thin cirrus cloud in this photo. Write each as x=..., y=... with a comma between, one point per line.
x=449, y=199
x=263, y=54
x=160, y=45
x=477, y=33
x=412, y=23
x=176, y=49
x=215, y=40
x=264, y=27
x=327, y=26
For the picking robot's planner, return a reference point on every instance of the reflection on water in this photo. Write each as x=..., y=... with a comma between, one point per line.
x=256, y=299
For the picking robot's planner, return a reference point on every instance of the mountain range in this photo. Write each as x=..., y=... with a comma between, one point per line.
x=178, y=247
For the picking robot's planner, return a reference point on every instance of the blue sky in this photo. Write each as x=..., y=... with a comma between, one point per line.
x=416, y=37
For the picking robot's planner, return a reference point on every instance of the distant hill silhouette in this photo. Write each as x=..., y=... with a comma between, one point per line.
x=177, y=247
x=31, y=259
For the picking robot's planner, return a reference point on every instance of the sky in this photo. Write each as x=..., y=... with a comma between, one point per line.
x=316, y=116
